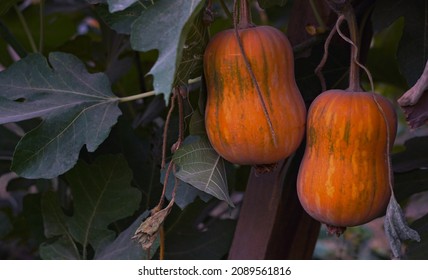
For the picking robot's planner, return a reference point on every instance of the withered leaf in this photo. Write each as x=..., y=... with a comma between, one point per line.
x=148, y=230
x=396, y=228
x=414, y=102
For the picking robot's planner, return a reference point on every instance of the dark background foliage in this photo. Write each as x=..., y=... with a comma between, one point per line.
x=81, y=150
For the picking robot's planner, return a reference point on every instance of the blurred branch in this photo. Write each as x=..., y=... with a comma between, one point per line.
x=11, y=40
x=26, y=29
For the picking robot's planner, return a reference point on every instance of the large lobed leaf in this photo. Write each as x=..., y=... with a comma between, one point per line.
x=55, y=226
x=78, y=109
x=101, y=195
x=200, y=166
x=100, y=198
x=169, y=22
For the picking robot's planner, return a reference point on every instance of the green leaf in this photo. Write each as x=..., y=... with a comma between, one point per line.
x=101, y=196
x=61, y=244
x=197, y=124
x=120, y=5
x=170, y=23
x=184, y=193
x=124, y=248
x=269, y=3
x=190, y=65
x=121, y=21
x=200, y=166
x=396, y=228
x=78, y=108
x=413, y=48
x=382, y=57
x=57, y=250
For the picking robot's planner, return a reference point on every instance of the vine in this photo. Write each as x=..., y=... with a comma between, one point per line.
x=240, y=21
x=152, y=227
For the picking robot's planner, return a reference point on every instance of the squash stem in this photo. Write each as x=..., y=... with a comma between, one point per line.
x=243, y=6
x=243, y=19
x=354, y=74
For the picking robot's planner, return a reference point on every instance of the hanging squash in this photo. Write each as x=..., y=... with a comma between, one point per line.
x=344, y=175
x=254, y=114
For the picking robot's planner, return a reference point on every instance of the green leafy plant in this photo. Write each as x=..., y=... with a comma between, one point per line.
x=103, y=145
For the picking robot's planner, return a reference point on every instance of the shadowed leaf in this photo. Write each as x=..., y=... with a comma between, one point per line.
x=200, y=166
x=169, y=22
x=78, y=109
x=60, y=244
x=185, y=193
x=190, y=65
x=101, y=195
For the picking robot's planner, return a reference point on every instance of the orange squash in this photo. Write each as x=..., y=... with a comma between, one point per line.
x=344, y=175
x=236, y=123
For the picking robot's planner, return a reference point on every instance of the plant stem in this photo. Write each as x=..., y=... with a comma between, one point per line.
x=244, y=16
x=42, y=25
x=354, y=71
x=153, y=92
x=195, y=80
x=161, y=243
x=165, y=130
x=318, y=70
x=11, y=40
x=317, y=15
x=248, y=65
x=26, y=29
x=137, y=96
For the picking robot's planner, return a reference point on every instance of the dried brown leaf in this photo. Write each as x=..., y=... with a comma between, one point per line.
x=417, y=115
x=148, y=230
x=414, y=102
x=396, y=228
